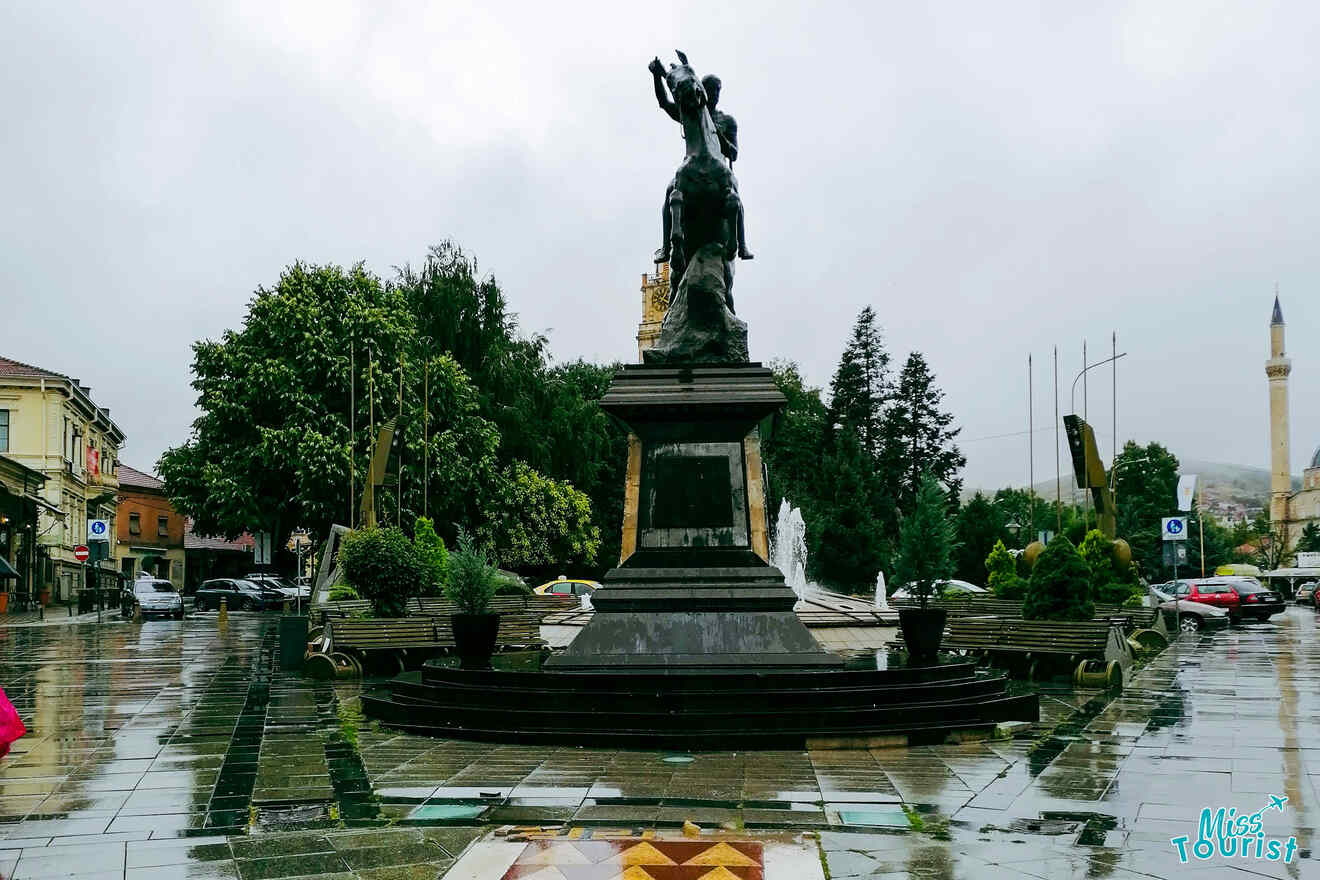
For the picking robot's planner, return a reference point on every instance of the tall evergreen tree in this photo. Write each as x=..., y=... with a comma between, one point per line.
x=861, y=387
x=845, y=543
x=794, y=449
x=980, y=526
x=918, y=436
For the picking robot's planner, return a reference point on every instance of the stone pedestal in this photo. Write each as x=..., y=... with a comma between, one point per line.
x=694, y=591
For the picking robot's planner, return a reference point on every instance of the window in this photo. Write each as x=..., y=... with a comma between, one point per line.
x=4, y=430
x=162, y=526
x=135, y=523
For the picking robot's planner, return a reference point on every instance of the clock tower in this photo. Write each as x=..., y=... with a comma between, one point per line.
x=655, y=303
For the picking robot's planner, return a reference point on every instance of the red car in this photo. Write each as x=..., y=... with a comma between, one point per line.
x=1240, y=597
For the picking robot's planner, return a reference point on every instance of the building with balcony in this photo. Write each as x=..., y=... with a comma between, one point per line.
x=50, y=425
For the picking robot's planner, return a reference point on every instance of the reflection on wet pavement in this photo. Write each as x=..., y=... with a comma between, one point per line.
x=171, y=749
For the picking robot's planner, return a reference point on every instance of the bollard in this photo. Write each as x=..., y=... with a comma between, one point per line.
x=222, y=618
x=137, y=613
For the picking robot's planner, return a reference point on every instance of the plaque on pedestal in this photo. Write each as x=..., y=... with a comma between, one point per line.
x=694, y=590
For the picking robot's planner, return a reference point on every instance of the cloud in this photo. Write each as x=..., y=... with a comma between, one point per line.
x=995, y=179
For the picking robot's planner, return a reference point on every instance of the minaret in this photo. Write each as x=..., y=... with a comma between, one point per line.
x=1277, y=369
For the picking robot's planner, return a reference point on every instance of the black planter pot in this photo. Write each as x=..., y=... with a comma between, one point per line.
x=474, y=638
x=923, y=630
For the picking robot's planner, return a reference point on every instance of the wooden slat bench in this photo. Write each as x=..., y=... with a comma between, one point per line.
x=340, y=609
x=1023, y=643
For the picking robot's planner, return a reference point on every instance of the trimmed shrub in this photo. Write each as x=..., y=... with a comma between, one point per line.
x=343, y=592
x=433, y=556
x=382, y=566
x=925, y=542
x=1001, y=572
x=1011, y=587
x=1060, y=587
x=472, y=578
x=509, y=584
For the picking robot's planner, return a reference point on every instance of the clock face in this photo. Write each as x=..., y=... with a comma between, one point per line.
x=660, y=299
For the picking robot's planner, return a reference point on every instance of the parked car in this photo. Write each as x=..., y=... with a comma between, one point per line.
x=239, y=595
x=154, y=597
x=1192, y=616
x=949, y=586
x=1257, y=600
x=1239, y=596
x=567, y=587
x=1306, y=593
x=282, y=585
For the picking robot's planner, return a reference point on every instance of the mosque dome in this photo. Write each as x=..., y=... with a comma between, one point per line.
x=1315, y=459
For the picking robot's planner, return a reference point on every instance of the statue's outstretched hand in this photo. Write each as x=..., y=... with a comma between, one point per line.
x=656, y=67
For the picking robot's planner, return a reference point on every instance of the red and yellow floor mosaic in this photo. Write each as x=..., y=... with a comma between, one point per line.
x=560, y=859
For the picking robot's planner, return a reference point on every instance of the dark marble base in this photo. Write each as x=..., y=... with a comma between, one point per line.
x=660, y=611
x=695, y=709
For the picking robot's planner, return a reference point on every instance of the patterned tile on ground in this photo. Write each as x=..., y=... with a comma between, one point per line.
x=638, y=860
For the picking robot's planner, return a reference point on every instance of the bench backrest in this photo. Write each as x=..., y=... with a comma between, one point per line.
x=382, y=633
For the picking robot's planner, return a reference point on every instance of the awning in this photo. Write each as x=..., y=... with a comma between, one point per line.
x=147, y=551
x=7, y=570
x=41, y=502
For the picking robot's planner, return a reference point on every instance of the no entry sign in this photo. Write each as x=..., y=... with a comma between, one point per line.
x=81, y=553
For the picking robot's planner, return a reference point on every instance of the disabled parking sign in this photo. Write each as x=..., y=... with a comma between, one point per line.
x=1174, y=528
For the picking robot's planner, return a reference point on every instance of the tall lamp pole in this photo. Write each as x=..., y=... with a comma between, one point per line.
x=426, y=417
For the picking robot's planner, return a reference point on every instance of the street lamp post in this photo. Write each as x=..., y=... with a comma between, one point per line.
x=1072, y=405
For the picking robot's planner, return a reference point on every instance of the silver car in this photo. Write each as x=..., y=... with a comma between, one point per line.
x=1192, y=617
x=152, y=597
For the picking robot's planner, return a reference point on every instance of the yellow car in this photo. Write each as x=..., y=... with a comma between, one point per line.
x=567, y=587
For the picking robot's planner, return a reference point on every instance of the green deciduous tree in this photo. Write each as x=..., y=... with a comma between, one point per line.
x=1146, y=489
x=383, y=567
x=272, y=448
x=926, y=541
x=1059, y=588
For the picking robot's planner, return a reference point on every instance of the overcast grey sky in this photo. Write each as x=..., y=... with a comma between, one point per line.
x=994, y=178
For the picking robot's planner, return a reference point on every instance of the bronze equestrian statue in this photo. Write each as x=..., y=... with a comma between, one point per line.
x=701, y=202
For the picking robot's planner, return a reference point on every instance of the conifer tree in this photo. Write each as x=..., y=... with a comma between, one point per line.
x=861, y=387
x=918, y=435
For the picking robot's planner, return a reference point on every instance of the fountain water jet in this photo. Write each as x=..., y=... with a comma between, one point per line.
x=788, y=551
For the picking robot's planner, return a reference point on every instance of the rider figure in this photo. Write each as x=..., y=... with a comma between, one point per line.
x=727, y=130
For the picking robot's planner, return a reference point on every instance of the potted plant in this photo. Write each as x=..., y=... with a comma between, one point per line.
x=470, y=586
x=925, y=558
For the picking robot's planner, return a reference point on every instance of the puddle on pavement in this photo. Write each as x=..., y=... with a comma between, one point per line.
x=238, y=773
x=446, y=812
x=1065, y=734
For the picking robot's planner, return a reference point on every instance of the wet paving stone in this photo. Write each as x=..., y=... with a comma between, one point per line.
x=156, y=745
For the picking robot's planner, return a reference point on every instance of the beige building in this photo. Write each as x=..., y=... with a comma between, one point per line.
x=655, y=303
x=50, y=424
x=1290, y=511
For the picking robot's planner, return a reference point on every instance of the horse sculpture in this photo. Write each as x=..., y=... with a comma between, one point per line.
x=703, y=203
x=703, y=208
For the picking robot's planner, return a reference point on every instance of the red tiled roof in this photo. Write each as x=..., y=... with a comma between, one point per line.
x=10, y=367
x=132, y=478
x=192, y=541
